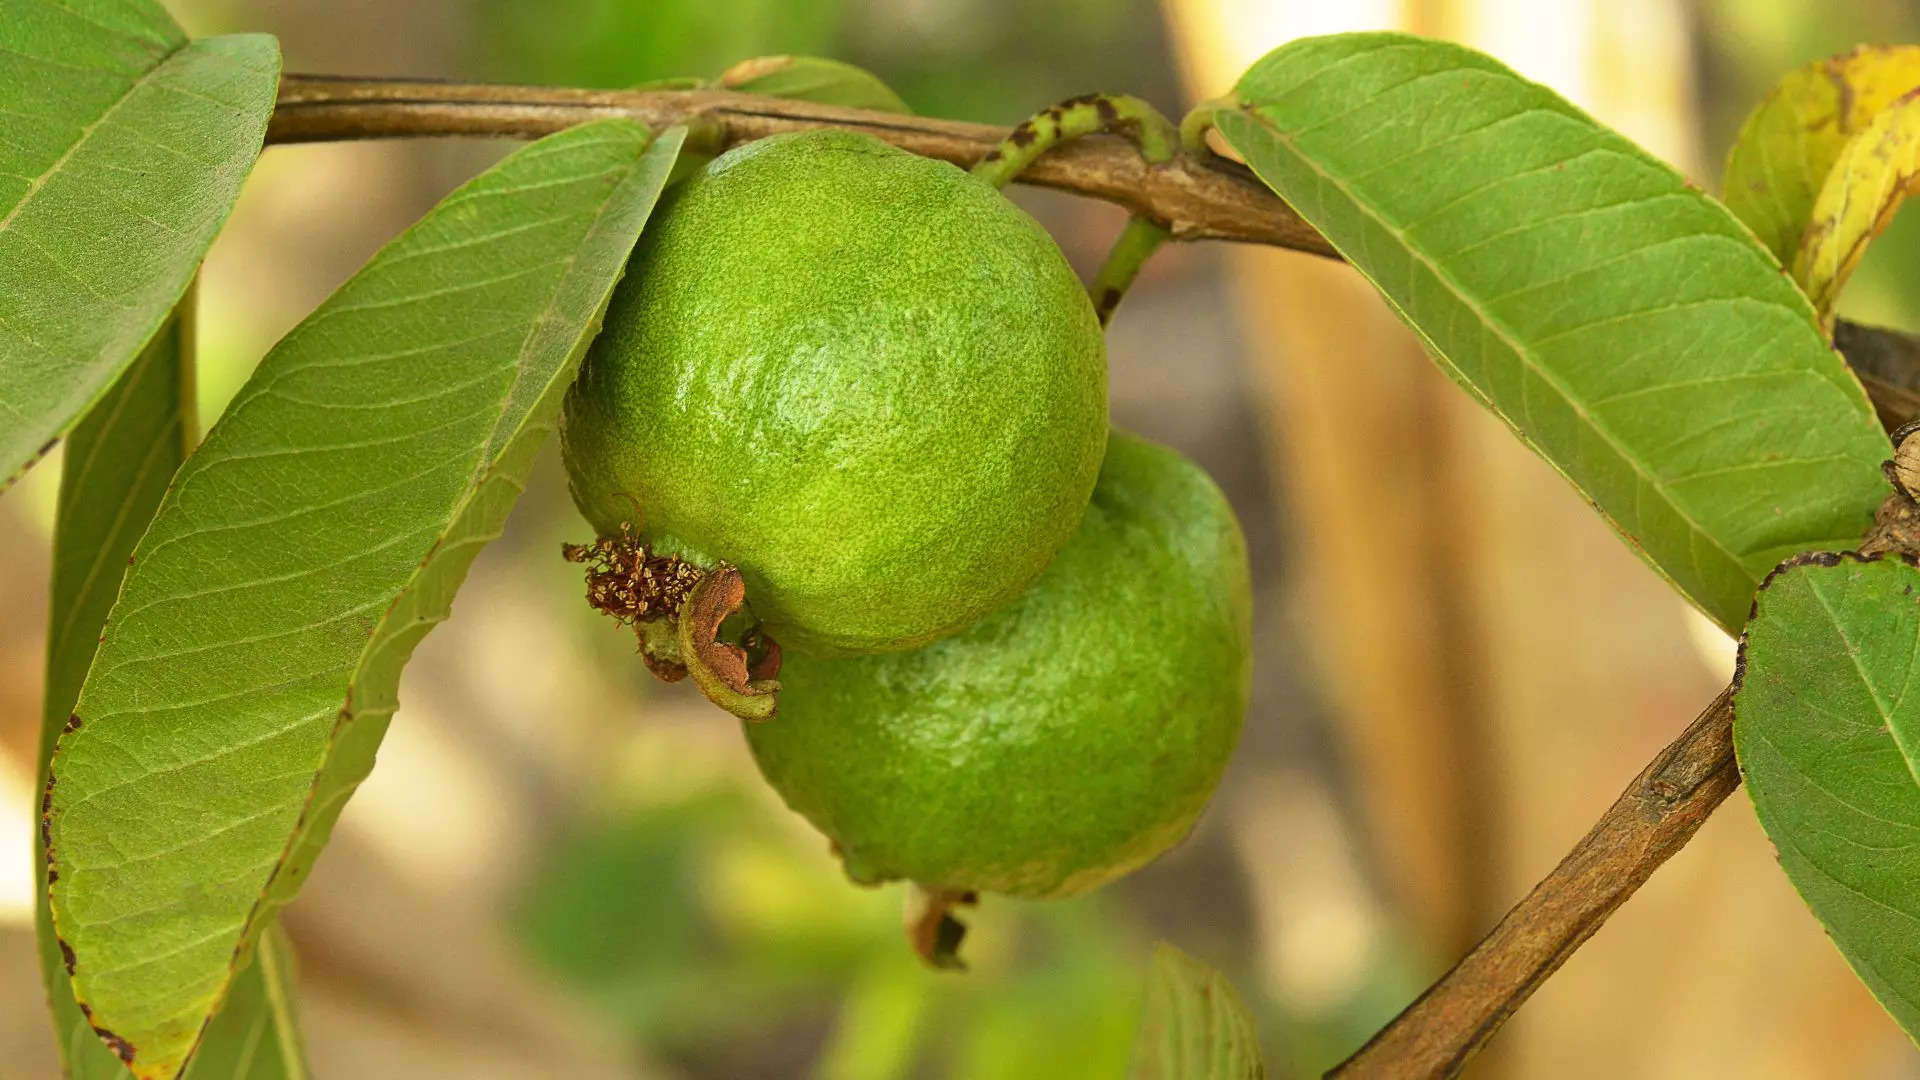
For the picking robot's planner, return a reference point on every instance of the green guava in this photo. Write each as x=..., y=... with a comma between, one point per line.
x=1061, y=742
x=861, y=376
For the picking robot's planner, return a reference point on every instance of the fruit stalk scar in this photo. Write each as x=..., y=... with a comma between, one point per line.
x=931, y=928
x=1158, y=140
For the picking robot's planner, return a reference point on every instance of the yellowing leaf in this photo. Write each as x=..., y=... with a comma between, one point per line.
x=1791, y=141
x=1875, y=172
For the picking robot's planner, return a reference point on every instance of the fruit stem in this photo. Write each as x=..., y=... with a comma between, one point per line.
x=1116, y=114
x=931, y=928
x=1140, y=239
x=1199, y=120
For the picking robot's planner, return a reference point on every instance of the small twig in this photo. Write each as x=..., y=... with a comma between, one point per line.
x=1653, y=818
x=1196, y=198
x=1657, y=814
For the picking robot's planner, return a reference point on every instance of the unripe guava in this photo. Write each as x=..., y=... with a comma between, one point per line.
x=861, y=376
x=1061, y=742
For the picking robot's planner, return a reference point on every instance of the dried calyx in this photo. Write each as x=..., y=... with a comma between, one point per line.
x=676, y=610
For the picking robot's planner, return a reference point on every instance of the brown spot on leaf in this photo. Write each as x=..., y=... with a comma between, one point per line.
x=73, y=723
x=120, y=1047
x=1024, y=135
x=66, y=954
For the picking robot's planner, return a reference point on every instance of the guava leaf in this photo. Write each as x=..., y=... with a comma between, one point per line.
x=1195, y=1027
x=249, y=666
x=122, y=148
x=813, y=78
x=256, y=1033
x=1827, y=730
x=1876, y=171
x=1790, y=142
x=1627, y=327
x=119, y=458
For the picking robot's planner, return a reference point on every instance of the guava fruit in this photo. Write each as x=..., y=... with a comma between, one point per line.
x=1059, y=743
x=862, y=377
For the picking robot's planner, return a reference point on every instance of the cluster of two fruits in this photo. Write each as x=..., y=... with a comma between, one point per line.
x=864, y=393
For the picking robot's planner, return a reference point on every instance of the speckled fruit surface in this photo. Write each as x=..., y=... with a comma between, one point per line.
x=861, y=376
x=1063, y=741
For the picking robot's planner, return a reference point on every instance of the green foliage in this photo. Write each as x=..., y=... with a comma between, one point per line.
x=254, y=601
x=1829, y=743
x=813, y=78
x=256, y=1033
x=1626, y=326
x=119, y=459
x=1195, y=1027
x=122, y=148
x=248, y=669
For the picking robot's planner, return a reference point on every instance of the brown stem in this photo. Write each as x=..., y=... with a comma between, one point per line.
x=1653, y=818
x=1197, y=197
x=1657, y=814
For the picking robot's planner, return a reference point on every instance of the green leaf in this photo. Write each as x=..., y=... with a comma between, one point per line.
x=1790, y=142
x=249, y=666
x=119, y=459
x=813, y=78
x=122, y=148
x=118, y=462
x=1195, y=1026
x=1626, y=326
x=1875, y=172
x=256, y=1034
x=1828, y=737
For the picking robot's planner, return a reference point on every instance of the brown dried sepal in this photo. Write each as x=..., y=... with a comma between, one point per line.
x=719, y=668
x=931, y=928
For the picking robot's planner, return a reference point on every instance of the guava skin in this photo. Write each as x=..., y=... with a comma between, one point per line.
x=861, y=376
x=1063, y=741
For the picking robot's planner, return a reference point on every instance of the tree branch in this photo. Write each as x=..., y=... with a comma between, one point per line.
x=1211, y=199
x=1197, y=198
x=1653, y=818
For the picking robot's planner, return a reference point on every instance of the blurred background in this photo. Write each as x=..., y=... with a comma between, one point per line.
x=563, y=868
